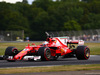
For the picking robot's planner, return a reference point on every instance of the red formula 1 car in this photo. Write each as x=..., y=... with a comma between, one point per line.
x=51, y=49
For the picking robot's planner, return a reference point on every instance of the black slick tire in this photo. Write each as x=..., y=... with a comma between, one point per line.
x=45, y=53
x=82, y=53
x=10, y=51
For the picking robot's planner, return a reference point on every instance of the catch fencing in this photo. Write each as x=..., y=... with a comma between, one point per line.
x=12, y=35
x=86, y=35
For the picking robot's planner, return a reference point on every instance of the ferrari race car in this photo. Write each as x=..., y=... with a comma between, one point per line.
x=51, y=49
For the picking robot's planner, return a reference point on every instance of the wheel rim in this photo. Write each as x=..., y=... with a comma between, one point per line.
x=87, y=53
x=15, y=51
x=48, y=54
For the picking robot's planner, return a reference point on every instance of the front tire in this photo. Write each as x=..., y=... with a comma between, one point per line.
x=10, y=51
x=82, y=53
x=45, y=53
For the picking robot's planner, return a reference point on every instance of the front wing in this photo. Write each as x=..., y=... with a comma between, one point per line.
x=35, y=58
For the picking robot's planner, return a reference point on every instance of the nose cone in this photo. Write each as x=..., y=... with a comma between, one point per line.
x=17, y=57
x=20, y=55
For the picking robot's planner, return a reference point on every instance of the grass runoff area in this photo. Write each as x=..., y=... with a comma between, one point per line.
x=94, y=48
x=49, y=69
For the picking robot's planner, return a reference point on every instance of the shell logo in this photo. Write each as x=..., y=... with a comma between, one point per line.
x=55, y=41
x=62, y=50
x=23, y=52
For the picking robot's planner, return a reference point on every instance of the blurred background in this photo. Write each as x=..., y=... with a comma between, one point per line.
x=22, y=20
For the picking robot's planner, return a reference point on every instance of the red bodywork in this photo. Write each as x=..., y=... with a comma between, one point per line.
x=57, y=46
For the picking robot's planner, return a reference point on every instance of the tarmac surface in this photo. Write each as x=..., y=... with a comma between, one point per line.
x=92, y=72
x=94, y=59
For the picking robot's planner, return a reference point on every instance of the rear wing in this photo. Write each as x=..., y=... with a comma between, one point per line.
x=67, y=41
x=79, y=42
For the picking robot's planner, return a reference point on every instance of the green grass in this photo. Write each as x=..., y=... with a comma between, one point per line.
x=94, y=47
x=49, y=69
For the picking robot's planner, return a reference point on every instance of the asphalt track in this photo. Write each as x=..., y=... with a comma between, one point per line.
x=94, y=59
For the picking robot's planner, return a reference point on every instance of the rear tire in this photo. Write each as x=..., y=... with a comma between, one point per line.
x=10, y=51
x=82, y=53
x=45, y=53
